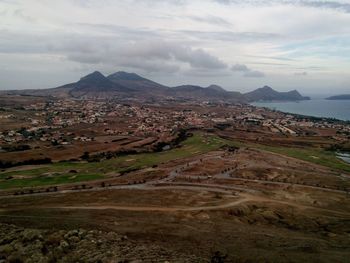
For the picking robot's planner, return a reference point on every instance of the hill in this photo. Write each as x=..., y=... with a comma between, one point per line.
x=211, y=93
x=135, y=82
x=339, y=97
x=95, y=85
x=92, y=86
x=131, y=86
x=266, y=93
x=124, y=85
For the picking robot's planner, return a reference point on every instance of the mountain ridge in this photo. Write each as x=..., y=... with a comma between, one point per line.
x=132, y=86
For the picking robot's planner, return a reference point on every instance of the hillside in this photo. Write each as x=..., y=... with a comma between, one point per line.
x=135, y=82
x=266, y=93
x=211, y=93
x=92, y=86
x=95, y=85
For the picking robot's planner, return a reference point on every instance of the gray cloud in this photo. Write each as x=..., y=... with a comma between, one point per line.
x=207, y=73
x=197, y=58
x=304, y=73
x=119, y=49
x=148, y=55
x=247, y=72
x=270, y=64
x=254, y=74
x=335, y=5
x=22, y=43
x=116, y=30
x=149, y=66
x=231, y=35
x=240, y=67
x=214, y=20
x=273, y=58
x=21, y=14
x=345, y=7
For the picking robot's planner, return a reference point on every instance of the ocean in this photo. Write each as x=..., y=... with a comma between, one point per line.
x=344, y=156
x=339, y=109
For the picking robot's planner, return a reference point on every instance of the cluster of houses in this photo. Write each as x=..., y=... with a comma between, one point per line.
x=48, y=118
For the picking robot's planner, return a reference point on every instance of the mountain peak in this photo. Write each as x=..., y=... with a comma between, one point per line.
x=267, y=93
x=135, y=82
x=94, y=76
x=122, y=75
x=267, y=88
x=94, y=83
x=215, y=87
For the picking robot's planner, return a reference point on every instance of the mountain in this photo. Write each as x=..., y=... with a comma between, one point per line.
x=216, y=87
x=93, y=86
x=130, y=85
x=266, y=93
x=339, y=97
x=135, y=82
x=124, y=85
x=211, y=93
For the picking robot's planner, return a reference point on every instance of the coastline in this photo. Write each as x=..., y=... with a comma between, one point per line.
x=316, y=109
x=344, y=156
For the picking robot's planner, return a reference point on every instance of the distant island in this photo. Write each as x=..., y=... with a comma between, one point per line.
x=339, y=97
x=124, y=85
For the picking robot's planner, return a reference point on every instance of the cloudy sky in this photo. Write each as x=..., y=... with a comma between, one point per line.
x=240, y=45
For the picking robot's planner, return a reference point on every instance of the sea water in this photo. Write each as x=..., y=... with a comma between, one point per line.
x=344, y=156
x=339, y=109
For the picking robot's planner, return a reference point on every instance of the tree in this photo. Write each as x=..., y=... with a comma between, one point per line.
x=218, y=257
x=85, y=156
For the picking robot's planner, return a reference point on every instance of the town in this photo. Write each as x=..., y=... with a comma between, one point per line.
x=64, y=122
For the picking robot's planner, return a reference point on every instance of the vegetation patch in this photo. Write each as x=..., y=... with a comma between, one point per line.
x=59, y=173
x=48, y=180
x=312, y=155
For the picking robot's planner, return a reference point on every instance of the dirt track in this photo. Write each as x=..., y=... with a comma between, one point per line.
x=159, y=209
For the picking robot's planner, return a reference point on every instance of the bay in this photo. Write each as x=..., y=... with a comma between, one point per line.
x=344, y=156
x=339, y=109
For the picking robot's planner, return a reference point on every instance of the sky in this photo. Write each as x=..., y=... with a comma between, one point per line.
x=239, y=45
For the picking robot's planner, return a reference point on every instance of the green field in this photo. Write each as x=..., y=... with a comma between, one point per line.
x=46, y=180
x=313, y=155
x=59, y=173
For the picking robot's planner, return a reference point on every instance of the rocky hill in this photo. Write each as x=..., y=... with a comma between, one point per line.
x=19, y=244
x=95, y=85
x=211, y=93
x=135, y=82
x=266, y=93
